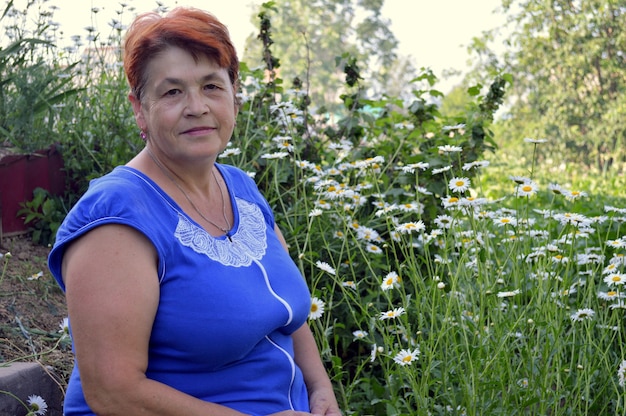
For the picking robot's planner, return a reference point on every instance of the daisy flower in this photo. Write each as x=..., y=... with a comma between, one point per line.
x=65, y=327
x=233, y=151
x=582, y=314
x=410, y=168
x=443, y=221
x=391, y=314
x=459, y=184
x=505, y=220
x=35, y=276
x=520, y=180
x=615, y=279
x=406, y=357
x=535, y=141
x=411, y=207
x=447, y=149
x=573, y=195
x=409, y=227
x=349, y=283
x=610, y=295
x=618, y=259
x=423, y=191
x=441, y=170
x=557, y=189
x=455, y=127
x=450, y=201
x=358, y=334
x=616, y=243
x=37, y=405
x=317, y=309
x=373, y=353
x=526, y=189
x=476, y=164
x=373, y=248
x=275, y=155
x=325, y=267
x=391, y=281
x=315, y=212
x=508, y=294
x=621, y=374
x=610, y=268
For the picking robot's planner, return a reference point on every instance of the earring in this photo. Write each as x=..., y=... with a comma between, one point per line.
x=143, y=136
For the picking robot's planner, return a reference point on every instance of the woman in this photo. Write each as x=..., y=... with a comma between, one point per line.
x=182, y=297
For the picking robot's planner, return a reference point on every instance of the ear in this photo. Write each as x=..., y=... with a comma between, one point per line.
x=139, y=117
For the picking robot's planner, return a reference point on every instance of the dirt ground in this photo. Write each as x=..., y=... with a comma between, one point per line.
x=32, y=308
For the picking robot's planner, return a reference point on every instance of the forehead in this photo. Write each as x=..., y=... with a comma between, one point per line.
x=174, y=63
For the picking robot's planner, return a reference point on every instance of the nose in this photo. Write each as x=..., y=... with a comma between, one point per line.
x=197, y=104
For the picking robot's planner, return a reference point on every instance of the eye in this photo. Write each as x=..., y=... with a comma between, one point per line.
x=211, y=87
x=172, y=92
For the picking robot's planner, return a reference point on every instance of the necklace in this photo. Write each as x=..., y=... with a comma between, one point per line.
x=167, y=173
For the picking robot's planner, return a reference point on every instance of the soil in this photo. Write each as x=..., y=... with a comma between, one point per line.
x=32, y=308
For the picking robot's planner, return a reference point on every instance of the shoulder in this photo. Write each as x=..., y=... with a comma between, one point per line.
x=242, y=186
x=123, y=197
x=236, y=175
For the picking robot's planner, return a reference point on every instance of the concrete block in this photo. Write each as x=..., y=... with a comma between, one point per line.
x=27, y=379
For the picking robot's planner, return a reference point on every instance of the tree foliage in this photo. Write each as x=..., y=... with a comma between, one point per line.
x=568, y=59
x=309, y=34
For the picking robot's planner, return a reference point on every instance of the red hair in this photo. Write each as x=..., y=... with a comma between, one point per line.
x=196, y=31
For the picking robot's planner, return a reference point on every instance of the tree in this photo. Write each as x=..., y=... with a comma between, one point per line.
x=568, y=58
x=309, y=34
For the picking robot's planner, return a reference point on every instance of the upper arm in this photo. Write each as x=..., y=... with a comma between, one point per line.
x=281, y=237
x=112, y=292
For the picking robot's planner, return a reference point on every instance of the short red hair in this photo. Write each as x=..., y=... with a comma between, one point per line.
x=191, y=29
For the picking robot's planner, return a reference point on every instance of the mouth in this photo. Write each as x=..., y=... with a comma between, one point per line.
x=199, y=130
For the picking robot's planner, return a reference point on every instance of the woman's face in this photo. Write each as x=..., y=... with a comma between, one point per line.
x=188, y=107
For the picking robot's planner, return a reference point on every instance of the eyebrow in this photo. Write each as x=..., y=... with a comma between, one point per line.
x=176, y=81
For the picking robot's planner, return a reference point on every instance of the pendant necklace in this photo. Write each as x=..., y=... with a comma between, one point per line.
x=167, y=173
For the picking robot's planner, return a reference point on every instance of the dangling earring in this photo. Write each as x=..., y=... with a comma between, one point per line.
x=143, y=136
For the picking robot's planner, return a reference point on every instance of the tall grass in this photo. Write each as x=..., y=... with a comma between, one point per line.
x=508, y=301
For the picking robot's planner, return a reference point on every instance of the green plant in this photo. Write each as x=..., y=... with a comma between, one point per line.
x=32, y=86
x=45, y=213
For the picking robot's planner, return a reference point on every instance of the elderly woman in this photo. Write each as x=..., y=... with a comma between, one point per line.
x=182, y=297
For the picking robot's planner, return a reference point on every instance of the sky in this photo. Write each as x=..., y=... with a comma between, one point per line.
x=434, y=33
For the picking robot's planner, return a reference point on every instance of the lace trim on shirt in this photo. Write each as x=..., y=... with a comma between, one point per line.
x=248, y=243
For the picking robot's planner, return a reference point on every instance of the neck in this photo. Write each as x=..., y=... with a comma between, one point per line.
x=222, y=224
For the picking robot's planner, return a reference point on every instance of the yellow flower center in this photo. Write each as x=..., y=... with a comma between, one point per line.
x=527, y=188
x=459, y=183
x=453, y=200
x=313, y=307
x=408, y=359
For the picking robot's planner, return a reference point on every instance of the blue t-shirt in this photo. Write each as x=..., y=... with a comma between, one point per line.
x=227, y=307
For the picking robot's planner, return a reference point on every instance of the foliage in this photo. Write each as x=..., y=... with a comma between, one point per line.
x=74, y=97
x=46, y=213
x=568, y=59
x=30, y=88
x=312, y=33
